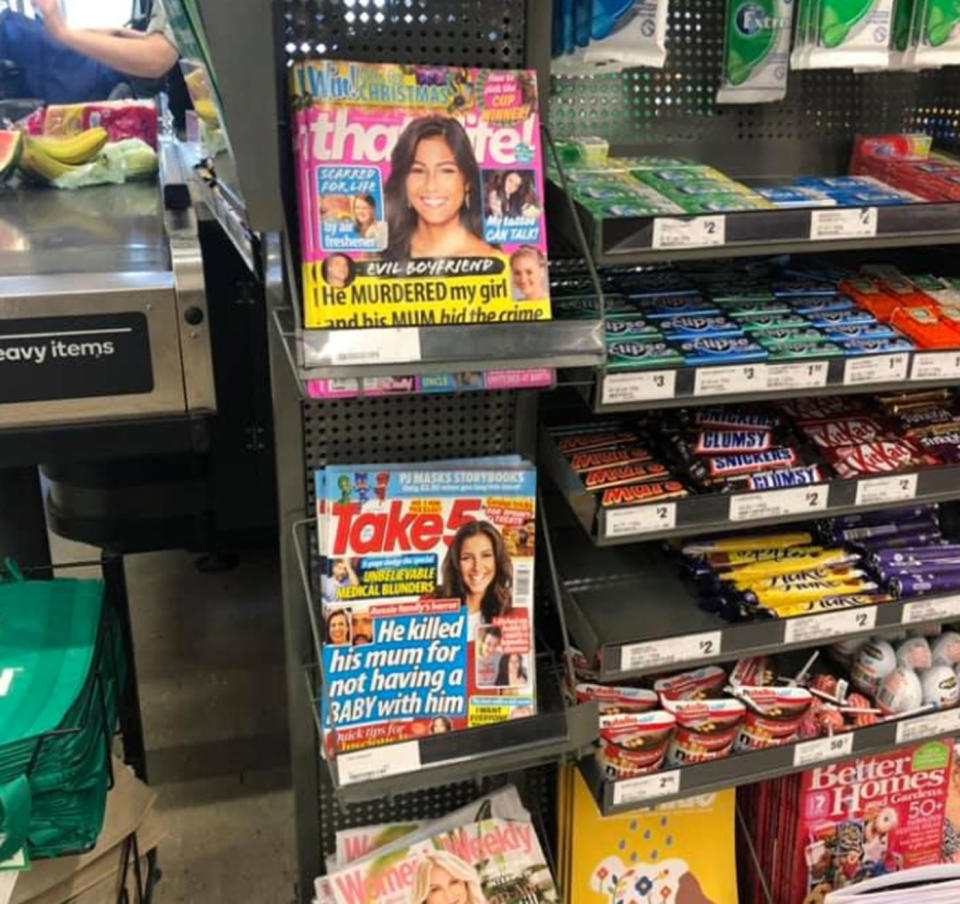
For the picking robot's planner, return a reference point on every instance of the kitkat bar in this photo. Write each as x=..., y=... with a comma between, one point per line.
x=881, y=457
x=848, y=431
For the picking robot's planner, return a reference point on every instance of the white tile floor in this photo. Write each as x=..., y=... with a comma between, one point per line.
x=209, y=653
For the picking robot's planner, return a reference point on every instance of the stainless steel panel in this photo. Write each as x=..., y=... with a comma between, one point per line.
x=111, y=228
x=151, y=294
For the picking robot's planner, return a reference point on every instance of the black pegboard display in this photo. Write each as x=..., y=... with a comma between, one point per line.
x=673, y=110
x=488, y=33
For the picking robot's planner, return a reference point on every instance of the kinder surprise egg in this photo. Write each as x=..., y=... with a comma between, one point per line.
x=873, y=662
x=900, y=691
x=946, y=648
x=915, y=654
x=940, y=686
x=843, y=651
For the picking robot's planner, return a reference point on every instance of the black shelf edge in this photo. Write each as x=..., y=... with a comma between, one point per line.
x=671, y=387
x=645, y=619
x=746, y=768
x=717, y=513
x=556, y=732
x=629, y=240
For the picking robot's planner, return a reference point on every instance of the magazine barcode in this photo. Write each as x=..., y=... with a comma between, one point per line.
x=523, y=583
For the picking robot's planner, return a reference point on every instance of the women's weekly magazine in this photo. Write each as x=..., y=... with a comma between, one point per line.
x=426, y=598
x=421, y=195
x=492, y=861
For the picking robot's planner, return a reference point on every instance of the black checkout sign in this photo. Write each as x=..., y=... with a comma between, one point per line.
x=76, y=357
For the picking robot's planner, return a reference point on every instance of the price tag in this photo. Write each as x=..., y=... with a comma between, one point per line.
x=936, y=366
x=876, y=369
x=847, y=223
x=377, y=346
x=830, y=624
x=807, y=753
x=378, y=762
x=931, y=610
x=946, y=722
x=639, y=387
x=730, y=379
x=695, y=232
x=658, y=653
x=800, y=375
x=646, y=787
x=896, y=488
x=641, y=519
x=776, y=503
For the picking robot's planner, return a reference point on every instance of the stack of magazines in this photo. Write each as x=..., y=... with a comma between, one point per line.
x=485, y=853
x=426, y=590
x=923, y=885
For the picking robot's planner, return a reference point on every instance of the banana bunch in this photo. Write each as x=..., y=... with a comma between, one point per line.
x=48, y=157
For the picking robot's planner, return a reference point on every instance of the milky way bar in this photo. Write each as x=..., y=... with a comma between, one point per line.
x=639, y=493
x=637, y=472
x=729, y=465
x=609, y=458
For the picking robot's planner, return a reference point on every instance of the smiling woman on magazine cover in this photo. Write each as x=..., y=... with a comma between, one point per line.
x=432, y=195
x=478, y=572
x=443, y=878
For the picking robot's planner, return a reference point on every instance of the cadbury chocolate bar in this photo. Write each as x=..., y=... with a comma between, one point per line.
x=916, y=584
x=708, y=546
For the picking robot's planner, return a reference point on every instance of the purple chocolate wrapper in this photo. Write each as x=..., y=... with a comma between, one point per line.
x=930, y=566
x=908, y=538
x=917, y=584
x=887, y=529
x=892, y=557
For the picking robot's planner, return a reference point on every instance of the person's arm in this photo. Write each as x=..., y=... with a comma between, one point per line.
x=144, y=56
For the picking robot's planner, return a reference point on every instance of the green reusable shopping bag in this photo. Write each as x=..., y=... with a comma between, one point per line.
x=49, y=634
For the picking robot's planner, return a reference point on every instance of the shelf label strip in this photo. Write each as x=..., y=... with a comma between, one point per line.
x=944, y=722
x=641, y=519
x=807, y=753
x=830, y=624
x=646, y=787
x=670, y=651
x=876, y=369
x=777, y=503
x=845, y=223
x=931, y=610
x=730, y=379
x=695, y=232
x=799, y=375
x=881, y=490
x=936, y=366
x=620, y=389
x=378, y=762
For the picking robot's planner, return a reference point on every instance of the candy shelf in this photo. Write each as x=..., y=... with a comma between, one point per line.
x=620, y=391
x=629, y=610
x=718, y=512
x=641, y=240
x=554, y=733
x=747, y=768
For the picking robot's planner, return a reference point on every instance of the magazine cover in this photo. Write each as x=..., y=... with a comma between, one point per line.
x=492, y=861
x=427, y=599
x=421, y=195
x=841, y=824
x=677, y=853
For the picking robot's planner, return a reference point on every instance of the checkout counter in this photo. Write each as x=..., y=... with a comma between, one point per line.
x=112, y=302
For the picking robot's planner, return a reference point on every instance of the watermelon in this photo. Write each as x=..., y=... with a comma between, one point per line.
x=9, y=152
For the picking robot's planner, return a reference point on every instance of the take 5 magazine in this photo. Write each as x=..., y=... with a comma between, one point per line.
x=421, y=195
x=426, y=598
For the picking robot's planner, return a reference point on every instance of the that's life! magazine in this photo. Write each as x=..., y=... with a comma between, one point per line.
x=421, y=195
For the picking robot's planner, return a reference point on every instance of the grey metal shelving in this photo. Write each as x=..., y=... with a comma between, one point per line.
x=746, y=768
x=630, y=612
x=717, y=512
